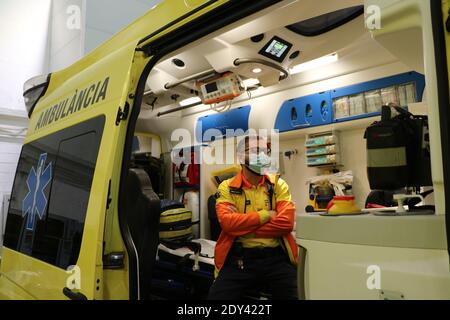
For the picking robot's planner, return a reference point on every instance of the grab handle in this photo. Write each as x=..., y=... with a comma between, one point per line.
x=301, y=281
x=74, y=295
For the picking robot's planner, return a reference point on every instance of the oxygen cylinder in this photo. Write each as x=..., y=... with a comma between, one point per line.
x=192, y=203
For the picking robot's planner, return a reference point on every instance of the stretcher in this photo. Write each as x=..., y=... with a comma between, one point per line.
x=183, y=274
x=205, y=256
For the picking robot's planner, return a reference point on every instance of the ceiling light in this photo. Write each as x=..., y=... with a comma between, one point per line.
x=313, y=64
x=257, y=38
x=189, y=101
x=251, y=82
x=179, y=63
x=257, y=70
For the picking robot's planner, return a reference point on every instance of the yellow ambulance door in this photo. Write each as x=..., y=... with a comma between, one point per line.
x=54, y=239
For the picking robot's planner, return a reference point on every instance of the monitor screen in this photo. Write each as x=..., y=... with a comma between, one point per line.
x=276, y=49
x=211, y=87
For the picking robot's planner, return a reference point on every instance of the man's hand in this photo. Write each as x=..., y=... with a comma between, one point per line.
x=272, y=214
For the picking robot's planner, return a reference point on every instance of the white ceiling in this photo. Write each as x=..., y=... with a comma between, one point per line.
x=220, y=52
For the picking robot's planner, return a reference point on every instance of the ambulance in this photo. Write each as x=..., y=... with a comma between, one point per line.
x=186, y=81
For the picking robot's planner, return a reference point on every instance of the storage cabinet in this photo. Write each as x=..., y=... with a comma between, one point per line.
x=358, y=101
x=322, y=149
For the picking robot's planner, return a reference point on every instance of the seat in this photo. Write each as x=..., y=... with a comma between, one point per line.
x=154, y=168
x=215, y=227
x=143, y=211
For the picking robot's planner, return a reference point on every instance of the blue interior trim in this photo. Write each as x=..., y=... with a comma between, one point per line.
x=236, y=119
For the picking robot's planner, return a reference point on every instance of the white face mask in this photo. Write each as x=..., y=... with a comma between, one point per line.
x=259, y=163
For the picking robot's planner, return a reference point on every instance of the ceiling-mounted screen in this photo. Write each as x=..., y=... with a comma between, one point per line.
x=276, y=49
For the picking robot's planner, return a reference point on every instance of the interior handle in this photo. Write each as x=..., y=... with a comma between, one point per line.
x=305, y=125
x=301, y=273
x=74, y=295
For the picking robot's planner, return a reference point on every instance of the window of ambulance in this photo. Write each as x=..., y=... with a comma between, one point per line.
x=50, y=194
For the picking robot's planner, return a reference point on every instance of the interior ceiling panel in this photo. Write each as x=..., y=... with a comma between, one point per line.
x=291, y=13
x=194, y=59
x=220, y=53
x=241, y=46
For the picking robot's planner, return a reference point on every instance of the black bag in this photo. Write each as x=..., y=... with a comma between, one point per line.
x=382, y=198
x=397, y=156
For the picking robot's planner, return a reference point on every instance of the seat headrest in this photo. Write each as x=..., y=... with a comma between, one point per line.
x=138, y=180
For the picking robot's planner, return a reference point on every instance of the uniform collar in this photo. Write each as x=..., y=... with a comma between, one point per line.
x=239, y=181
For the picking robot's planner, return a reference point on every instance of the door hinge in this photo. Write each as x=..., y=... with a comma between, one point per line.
x=147, y=50
x=122, y=114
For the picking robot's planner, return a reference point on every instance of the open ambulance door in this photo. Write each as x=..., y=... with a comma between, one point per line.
x=54, y=239
x=191, y=20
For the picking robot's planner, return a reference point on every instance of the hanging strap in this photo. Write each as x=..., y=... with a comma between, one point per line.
x=270, y=191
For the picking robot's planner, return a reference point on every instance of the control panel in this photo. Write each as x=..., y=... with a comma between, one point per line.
x=224, y=88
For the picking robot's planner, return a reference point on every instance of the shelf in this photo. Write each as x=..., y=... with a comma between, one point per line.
x=319, y=155
x=339, y=126
x=328, y=165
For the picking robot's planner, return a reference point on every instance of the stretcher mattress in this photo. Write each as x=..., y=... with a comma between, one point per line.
x=206, y=254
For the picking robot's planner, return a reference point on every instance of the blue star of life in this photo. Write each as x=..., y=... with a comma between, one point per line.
x=35, y=201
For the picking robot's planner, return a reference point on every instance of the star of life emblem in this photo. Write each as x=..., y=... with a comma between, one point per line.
x=35, y=201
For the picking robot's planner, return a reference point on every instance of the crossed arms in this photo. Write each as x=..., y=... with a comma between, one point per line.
x=263, y=224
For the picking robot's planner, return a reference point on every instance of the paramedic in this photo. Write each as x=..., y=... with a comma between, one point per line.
x=256, y=213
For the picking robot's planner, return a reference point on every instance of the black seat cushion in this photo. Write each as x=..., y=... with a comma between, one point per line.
x=215, y=227
x=143, y=211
